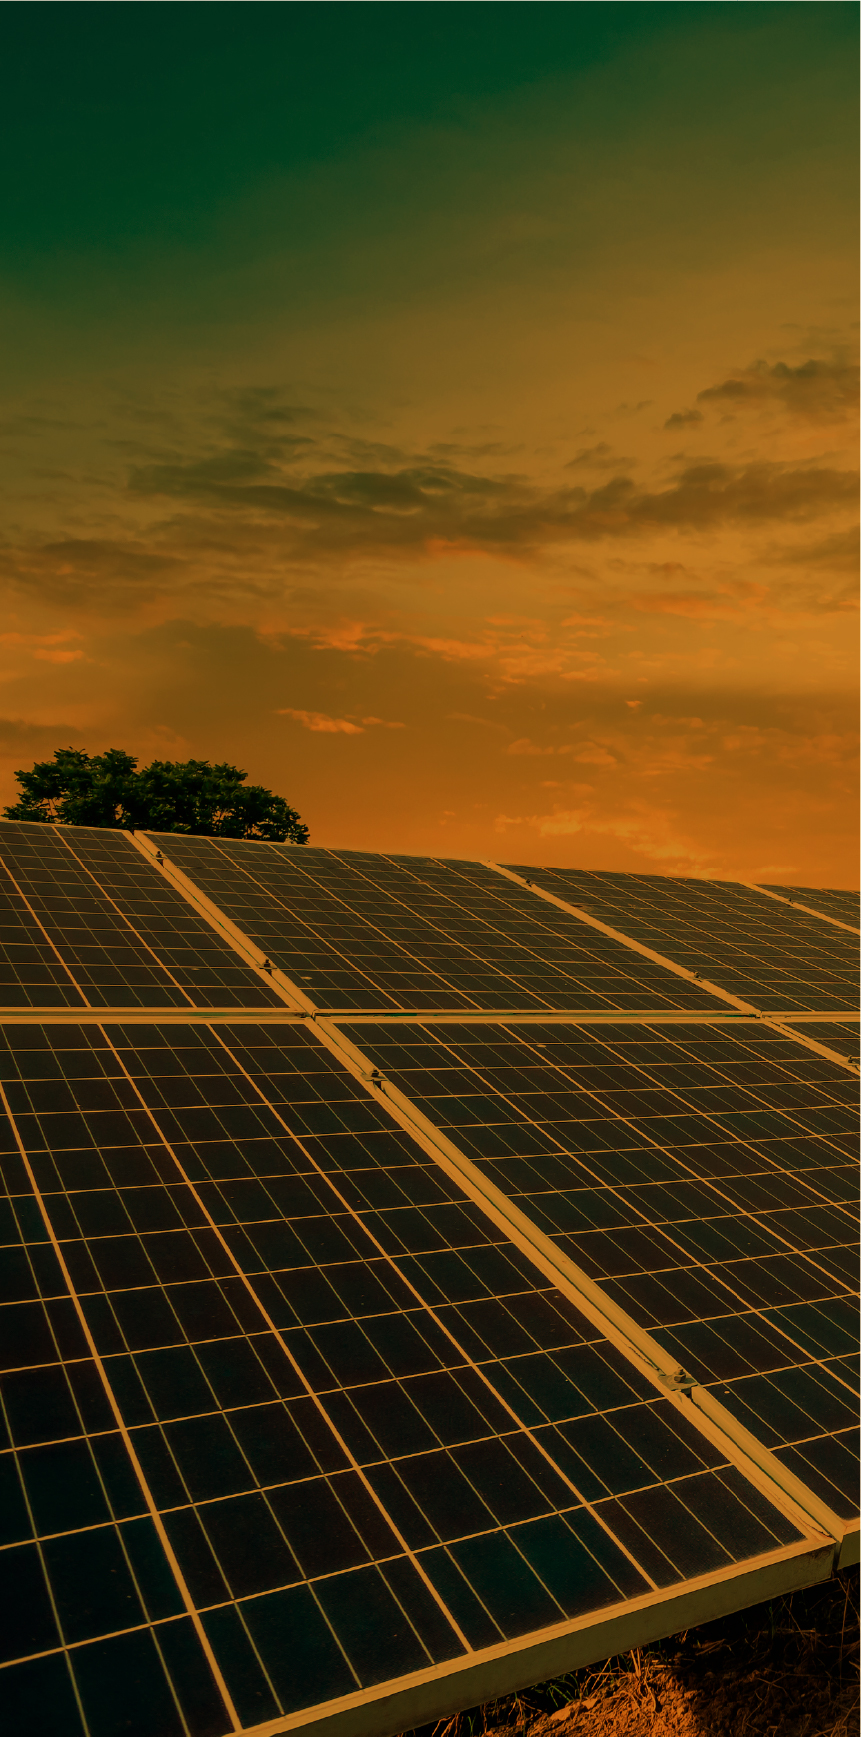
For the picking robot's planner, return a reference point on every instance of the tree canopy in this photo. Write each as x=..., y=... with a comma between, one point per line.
x=167, y=796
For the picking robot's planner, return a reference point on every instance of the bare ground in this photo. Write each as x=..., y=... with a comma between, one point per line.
x=789, y=1669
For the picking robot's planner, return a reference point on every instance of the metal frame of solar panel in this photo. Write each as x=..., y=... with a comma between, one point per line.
x=414, y=1286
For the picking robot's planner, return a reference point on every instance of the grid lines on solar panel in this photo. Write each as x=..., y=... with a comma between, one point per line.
x=371, y=932
x=32, y=974
x=199, y=961
x=778, y=958
x=844, y=1037
x=113, y=927
x=373, y=1435
x=831, y=901
x=703, y=1177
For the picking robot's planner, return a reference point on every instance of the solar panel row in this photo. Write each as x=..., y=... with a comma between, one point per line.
x=374, y=933
x=297, y=1418
x=779, y=957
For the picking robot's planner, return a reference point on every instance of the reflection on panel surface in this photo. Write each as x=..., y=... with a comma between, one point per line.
x=361, y=931
x=87, y=921
x=705, y=1176
x=373, y=1436
x=778, y=958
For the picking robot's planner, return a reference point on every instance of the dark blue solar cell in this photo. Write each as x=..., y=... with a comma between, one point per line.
x=37, y=1696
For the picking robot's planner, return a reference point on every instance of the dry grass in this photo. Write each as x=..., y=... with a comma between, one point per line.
x=787, y=1669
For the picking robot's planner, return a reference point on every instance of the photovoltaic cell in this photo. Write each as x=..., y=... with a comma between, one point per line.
x=705, y=1177
x=778, y=958
x=88, y=921
x=328, y=1426
x=32, y=973
x=375, y=933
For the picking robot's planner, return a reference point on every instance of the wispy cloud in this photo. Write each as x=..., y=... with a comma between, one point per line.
x=649, y=832
x=418, y=506
x=325, y=725
x=320, y=722
x=47, y=647
x=815, y=390
x=684, y=418
x=599, y=457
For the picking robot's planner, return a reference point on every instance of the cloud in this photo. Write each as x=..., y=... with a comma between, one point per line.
x=684, y=418
x=839, y=551
x=646, y=831
x=20, y=736
x=320, y=721
x=591, y=754
x=426, y=506
x=706, y=495
x=732, y=602
x=600, y=457
x=323, y=724
x=817, y=391
x=469, y=718
x=47, y=647
x=524, y=746
x=92, y=570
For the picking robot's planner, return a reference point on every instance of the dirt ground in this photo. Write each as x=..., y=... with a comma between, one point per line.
x=789, y=1669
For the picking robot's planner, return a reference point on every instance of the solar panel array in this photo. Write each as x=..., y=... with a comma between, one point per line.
x=411, y=1288
x=396, y=933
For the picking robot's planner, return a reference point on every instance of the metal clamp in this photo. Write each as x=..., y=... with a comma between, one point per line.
x=680, y=1381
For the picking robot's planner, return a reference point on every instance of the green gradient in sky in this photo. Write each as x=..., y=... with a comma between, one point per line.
x=444, y=409
x=132, y=122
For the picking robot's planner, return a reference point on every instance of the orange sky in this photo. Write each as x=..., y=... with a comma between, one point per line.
x=483, y=481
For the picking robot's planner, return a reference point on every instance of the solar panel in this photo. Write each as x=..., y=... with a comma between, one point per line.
x=364, y=1368
x=32, y=973
x=89, y=921
x=829, y=901
x=780, y=958
x=363, y=932
x=704, y=1177
x=844, y=1037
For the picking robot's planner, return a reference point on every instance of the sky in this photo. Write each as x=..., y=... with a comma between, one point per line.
x=445, y=412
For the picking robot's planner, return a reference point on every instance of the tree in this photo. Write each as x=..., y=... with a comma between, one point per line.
x=167, y=796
